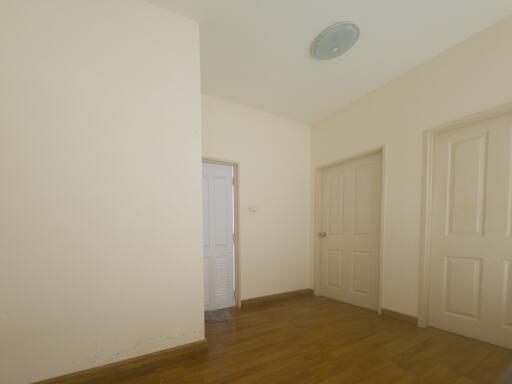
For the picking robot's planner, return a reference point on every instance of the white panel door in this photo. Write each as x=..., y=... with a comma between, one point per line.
x=471, y=239
x=350, y=226
x=219, y=277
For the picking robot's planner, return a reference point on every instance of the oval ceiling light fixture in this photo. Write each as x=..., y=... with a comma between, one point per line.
x=335, y=40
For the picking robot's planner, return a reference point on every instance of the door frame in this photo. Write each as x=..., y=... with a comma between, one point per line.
x=426, y=198
x=317, y=177
x=236, y=224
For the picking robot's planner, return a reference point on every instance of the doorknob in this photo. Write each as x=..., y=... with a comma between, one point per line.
x=322, y=234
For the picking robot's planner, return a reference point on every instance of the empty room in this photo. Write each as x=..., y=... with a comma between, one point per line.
x=255, y=191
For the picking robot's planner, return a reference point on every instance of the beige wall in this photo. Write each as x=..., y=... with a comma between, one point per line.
x=467, y=79
x=273, y=157
x=100, y=164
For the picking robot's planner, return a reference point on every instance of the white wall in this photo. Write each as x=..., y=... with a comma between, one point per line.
x=100, y=198
x=274, y=158
x=467, y=79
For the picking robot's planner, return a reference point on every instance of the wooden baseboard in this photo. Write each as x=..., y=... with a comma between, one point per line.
x=264, y=300
x=399, y=316
x=108, y=373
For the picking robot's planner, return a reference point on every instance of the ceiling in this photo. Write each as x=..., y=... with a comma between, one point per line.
x=256, y=52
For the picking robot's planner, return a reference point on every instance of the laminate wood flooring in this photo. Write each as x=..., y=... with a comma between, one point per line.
x=321, y=341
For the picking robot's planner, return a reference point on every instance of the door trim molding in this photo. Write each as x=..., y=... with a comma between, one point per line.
x=399, y=316
x=426, y=198
x=317, y=177
x=236, y=224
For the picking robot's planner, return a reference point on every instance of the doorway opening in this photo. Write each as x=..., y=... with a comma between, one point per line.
x=220, y=238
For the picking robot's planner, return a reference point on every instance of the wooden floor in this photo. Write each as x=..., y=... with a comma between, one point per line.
x=317, y=340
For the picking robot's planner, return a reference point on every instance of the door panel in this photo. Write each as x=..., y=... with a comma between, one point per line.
x=219, y=282
x=470, y=242
x=361, y=263
x=351, y=197
x=364, y=198
x=334, y=259
x=223, y=280
x=507, y=303
x=206, y=211
x=466, y=185
x=335, y=213
x=462, y=286
x=206, y=272
x=222, y=195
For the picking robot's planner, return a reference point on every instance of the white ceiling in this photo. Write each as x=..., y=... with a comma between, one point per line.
x=256, y=52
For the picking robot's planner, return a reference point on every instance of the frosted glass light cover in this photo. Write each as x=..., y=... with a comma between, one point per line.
x=335, y=41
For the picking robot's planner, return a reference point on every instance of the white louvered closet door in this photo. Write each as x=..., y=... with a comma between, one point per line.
x=219, y=279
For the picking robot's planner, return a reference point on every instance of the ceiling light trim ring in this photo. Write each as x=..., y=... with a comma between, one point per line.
x=335, y=40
